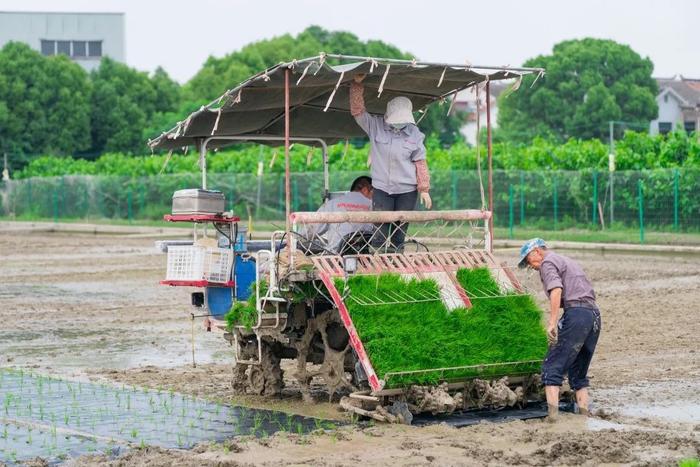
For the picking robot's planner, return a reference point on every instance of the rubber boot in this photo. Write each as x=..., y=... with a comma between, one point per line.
x=552, y=413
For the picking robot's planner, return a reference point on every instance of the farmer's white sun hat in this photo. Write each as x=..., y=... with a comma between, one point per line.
x=399, y=110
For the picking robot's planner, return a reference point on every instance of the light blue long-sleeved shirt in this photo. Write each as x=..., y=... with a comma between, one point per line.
x=393, y=153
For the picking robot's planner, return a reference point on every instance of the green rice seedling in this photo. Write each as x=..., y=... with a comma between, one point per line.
x=134, y=433
x=689, y=462
x=500, y=329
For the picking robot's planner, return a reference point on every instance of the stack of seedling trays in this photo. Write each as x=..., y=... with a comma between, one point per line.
x=422, y=341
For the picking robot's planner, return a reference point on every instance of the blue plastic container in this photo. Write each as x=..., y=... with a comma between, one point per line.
x=219, y=300
x=240, y=244
x=244, y=276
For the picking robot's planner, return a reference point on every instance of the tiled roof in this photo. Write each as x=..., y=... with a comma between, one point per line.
x=688, y=89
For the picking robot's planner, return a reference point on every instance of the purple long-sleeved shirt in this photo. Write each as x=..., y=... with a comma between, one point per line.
x=558, y=271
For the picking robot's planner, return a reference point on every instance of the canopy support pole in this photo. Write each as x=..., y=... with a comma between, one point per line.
x=326, y=176
x=287, y=191
x=490, y=156
x=203, y=161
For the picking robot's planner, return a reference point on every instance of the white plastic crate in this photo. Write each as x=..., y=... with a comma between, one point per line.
x=197, y=263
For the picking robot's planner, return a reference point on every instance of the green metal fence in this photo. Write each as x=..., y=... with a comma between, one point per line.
x=548, y=200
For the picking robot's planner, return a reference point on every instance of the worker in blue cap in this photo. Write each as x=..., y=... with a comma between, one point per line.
x=572, y=338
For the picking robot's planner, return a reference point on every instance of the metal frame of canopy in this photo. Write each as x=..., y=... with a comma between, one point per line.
x=204, y=141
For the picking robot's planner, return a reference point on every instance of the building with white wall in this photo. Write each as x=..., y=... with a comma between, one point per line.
x=84, y=37
x=679, y=105
x=467, y=103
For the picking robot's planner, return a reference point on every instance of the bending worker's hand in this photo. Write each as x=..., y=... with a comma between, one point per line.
x=552, y=333
x=425, y=200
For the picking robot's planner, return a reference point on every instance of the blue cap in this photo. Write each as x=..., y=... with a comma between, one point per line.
x=527, y=248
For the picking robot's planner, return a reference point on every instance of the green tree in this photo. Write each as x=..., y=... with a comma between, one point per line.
x=588, y=82
x=124, y=103
x=445, y=127
x=219, y=74
x=44, y=103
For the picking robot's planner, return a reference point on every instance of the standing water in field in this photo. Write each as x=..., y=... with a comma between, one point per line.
x=57, y=419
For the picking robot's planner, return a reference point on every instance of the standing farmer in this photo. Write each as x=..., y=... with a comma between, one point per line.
x=573, y=337
x=398, y=159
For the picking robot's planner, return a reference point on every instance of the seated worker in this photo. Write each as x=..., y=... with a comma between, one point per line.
x=341, y=238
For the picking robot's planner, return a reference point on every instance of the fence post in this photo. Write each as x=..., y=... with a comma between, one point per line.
x=510, y=211
x=281, y=202
x=63, y=195
x=295, y=195
x=142, y=200
x=556, y=201
x=310, y=197
x=595, y=197
x=676, y=183
x=641, y=210
x=86, y=203
x=129, y=211
x=522, y=197
x=55, y=205
x=454, y=189
x=29, y=196
x=100, y=202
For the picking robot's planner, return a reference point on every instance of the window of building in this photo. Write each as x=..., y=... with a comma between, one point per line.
x=689, y=126
x=665, y=127
x=79, y=49
x=48, y=47
x=95, y=49
x=63, y=47
x=76, y=49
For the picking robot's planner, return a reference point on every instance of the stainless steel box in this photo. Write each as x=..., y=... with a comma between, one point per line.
x=197, y=201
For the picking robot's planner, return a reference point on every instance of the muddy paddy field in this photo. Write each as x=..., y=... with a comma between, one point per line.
x=88, y=309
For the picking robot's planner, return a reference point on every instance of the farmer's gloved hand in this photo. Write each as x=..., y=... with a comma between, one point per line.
x=552, y=334
x=425, y=200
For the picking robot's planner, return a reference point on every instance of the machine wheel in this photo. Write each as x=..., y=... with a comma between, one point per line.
x=266, y=378
x=239, y=383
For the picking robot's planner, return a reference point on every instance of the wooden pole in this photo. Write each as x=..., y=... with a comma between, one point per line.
x=287, y=191
x=490, y=156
